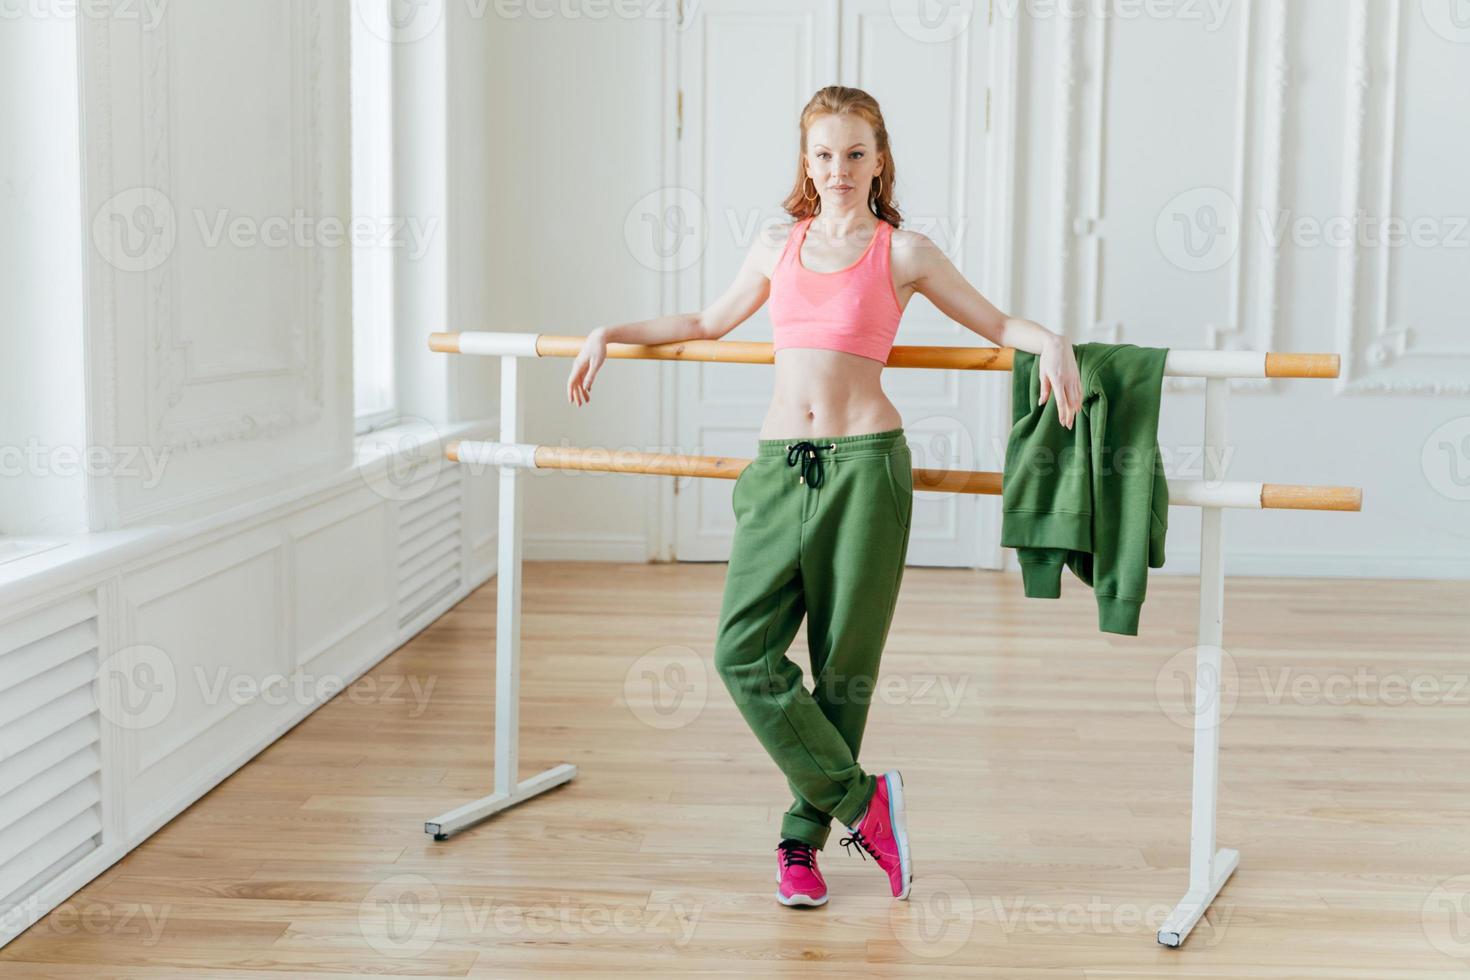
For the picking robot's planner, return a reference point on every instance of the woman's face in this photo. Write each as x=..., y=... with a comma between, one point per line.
x=842, y=160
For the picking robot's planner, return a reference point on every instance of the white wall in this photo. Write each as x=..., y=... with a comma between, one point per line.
x=43, y=424
x=1114, y=127
x=1171, y=116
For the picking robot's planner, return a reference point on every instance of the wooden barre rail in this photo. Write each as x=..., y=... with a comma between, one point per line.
x=1265, y=496
x=1190, y=363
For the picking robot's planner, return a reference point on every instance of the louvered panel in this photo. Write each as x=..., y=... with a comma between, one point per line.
x=445, y=494
x=50, y=745
x=47, y=786
x=431, y=523
x=54, y=619
x=44, y=688
x=431, y=557
x=430, y=536
x=25, y=833
x=409, y=554
x=36, y=727
x=52, y=855
x=40, y=656
x=16, y=769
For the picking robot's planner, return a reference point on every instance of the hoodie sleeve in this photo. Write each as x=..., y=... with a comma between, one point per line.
x=1127, y=474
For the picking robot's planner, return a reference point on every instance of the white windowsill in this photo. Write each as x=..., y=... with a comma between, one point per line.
x=42, y=564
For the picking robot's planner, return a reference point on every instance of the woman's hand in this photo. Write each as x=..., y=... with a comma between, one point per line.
x=1059, y=372
x=584, y=368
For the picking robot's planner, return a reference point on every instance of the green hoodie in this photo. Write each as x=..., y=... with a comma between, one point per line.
x=1093, y=497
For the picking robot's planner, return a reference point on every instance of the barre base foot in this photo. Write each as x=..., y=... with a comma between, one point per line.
x=442, y=826
x=1190, y=908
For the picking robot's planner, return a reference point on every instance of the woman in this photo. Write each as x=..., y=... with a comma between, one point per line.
x=822, y=512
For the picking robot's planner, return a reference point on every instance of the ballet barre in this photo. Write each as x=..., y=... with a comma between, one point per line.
x=1209, y=866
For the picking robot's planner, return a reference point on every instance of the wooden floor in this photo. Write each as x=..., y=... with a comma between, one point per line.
x=1047, y=767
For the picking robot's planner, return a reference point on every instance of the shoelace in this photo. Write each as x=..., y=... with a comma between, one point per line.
x=795, y=852
x=857, y=836
x=811, y=463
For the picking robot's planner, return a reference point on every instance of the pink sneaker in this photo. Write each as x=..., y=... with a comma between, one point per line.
x=798, y=880
x=881, y=832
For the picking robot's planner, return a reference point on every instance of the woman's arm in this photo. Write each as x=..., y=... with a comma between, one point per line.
x=746, y=294
x=952, y=294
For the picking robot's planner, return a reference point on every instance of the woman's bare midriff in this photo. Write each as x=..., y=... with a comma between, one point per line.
x=827, y=393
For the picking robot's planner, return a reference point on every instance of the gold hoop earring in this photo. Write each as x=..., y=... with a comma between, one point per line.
x=879, y=179
x=803, y=189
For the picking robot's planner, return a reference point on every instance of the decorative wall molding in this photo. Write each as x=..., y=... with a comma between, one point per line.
x=1372, y=341
x=171, y=368
x=1260, y=116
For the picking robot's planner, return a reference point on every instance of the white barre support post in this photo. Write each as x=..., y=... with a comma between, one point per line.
x=508, y=792
x=1208, y=869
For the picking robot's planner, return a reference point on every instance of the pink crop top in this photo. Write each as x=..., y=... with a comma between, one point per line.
x=853, y=309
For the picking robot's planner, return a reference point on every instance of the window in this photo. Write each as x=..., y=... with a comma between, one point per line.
x=374, y=392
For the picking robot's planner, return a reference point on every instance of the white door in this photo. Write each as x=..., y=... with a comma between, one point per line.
x=746, y=68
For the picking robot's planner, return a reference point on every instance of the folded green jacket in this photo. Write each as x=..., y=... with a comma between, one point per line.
x=1093, y=497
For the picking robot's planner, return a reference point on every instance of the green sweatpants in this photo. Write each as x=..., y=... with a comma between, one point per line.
x=822, y=531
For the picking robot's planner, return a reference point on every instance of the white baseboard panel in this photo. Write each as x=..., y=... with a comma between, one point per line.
x=1267, y=565
x=32, y=908
x=586, y=547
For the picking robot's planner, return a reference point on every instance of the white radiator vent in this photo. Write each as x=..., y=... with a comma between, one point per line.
x=50, y=749
x=430, y=528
